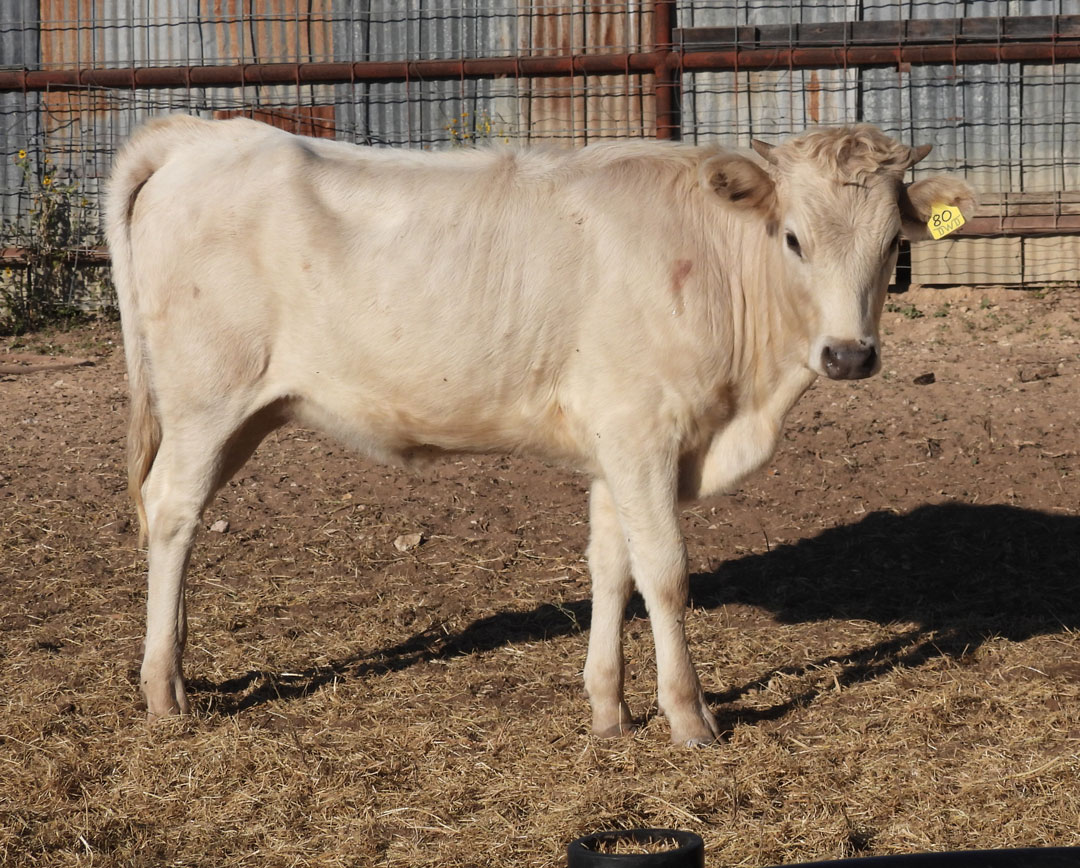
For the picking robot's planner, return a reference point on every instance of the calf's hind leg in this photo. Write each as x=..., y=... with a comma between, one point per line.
x=189, y=467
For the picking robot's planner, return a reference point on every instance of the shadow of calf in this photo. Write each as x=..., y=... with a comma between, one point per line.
x=960, y=573
x=971, y=571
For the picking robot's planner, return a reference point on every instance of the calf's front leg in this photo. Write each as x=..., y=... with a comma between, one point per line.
x=609, y=565
x=643, y=491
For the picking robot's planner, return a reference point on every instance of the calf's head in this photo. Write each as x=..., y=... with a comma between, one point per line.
x=833, y=206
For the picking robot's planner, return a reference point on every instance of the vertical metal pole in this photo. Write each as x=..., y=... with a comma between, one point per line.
x=668, y=77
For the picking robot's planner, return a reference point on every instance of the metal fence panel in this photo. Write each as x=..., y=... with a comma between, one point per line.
x=1010, y=127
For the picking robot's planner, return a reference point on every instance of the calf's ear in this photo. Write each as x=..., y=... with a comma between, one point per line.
x=738, y=182
x=916, y=201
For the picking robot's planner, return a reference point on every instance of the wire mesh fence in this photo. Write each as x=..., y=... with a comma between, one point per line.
x=993, y=84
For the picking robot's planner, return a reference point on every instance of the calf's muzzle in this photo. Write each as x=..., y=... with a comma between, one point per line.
x=849, y=360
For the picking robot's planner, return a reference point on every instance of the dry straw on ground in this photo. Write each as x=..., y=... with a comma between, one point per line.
x=886, y=619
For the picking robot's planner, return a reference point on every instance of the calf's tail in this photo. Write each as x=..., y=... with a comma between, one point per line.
x=146, y=152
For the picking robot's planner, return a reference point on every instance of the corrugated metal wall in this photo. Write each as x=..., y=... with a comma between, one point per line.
x=1012, y=128
x=82, y=129
x=597, y=107
x=19, y=112
x=436, y=113
x=422, y=113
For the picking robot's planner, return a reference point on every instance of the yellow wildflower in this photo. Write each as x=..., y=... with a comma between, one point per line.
x=46, y=181
x=22, y=154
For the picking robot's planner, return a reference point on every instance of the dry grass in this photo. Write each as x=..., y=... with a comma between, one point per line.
x=889, y=629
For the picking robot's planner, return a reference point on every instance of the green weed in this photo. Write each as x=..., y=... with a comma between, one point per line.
x=906, y=310
x=47, y=281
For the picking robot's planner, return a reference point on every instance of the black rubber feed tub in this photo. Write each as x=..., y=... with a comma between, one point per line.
x=687, y=850
x=1036, y=857
x=602, y=850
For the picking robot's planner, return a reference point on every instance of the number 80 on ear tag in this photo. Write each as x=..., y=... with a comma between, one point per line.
x=944, y=219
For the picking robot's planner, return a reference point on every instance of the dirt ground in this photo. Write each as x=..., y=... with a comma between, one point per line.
x=886, y=620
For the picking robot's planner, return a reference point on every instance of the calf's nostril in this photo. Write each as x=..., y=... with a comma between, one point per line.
x=870, y=360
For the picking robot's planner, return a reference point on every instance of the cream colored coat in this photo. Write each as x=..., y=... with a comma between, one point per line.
x=648, y=313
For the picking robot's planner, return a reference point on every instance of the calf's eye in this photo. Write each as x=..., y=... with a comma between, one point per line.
x=793, y=244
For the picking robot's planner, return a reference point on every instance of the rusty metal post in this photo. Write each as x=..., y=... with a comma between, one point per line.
x=667, y=74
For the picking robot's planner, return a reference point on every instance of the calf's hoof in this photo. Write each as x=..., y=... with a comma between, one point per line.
x=695, y=729
x=166, y=699
x=614, y=731
x=612, y=724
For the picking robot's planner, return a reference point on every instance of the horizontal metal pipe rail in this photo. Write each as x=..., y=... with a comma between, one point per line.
x=1015, y=39
x=910, y=31
x=21, y=257
x=677, y=59
x=977, y=227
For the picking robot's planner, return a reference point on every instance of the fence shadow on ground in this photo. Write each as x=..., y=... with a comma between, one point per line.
x=960, y=573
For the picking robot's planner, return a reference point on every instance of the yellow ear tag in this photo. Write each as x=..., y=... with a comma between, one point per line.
x=944, y=219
